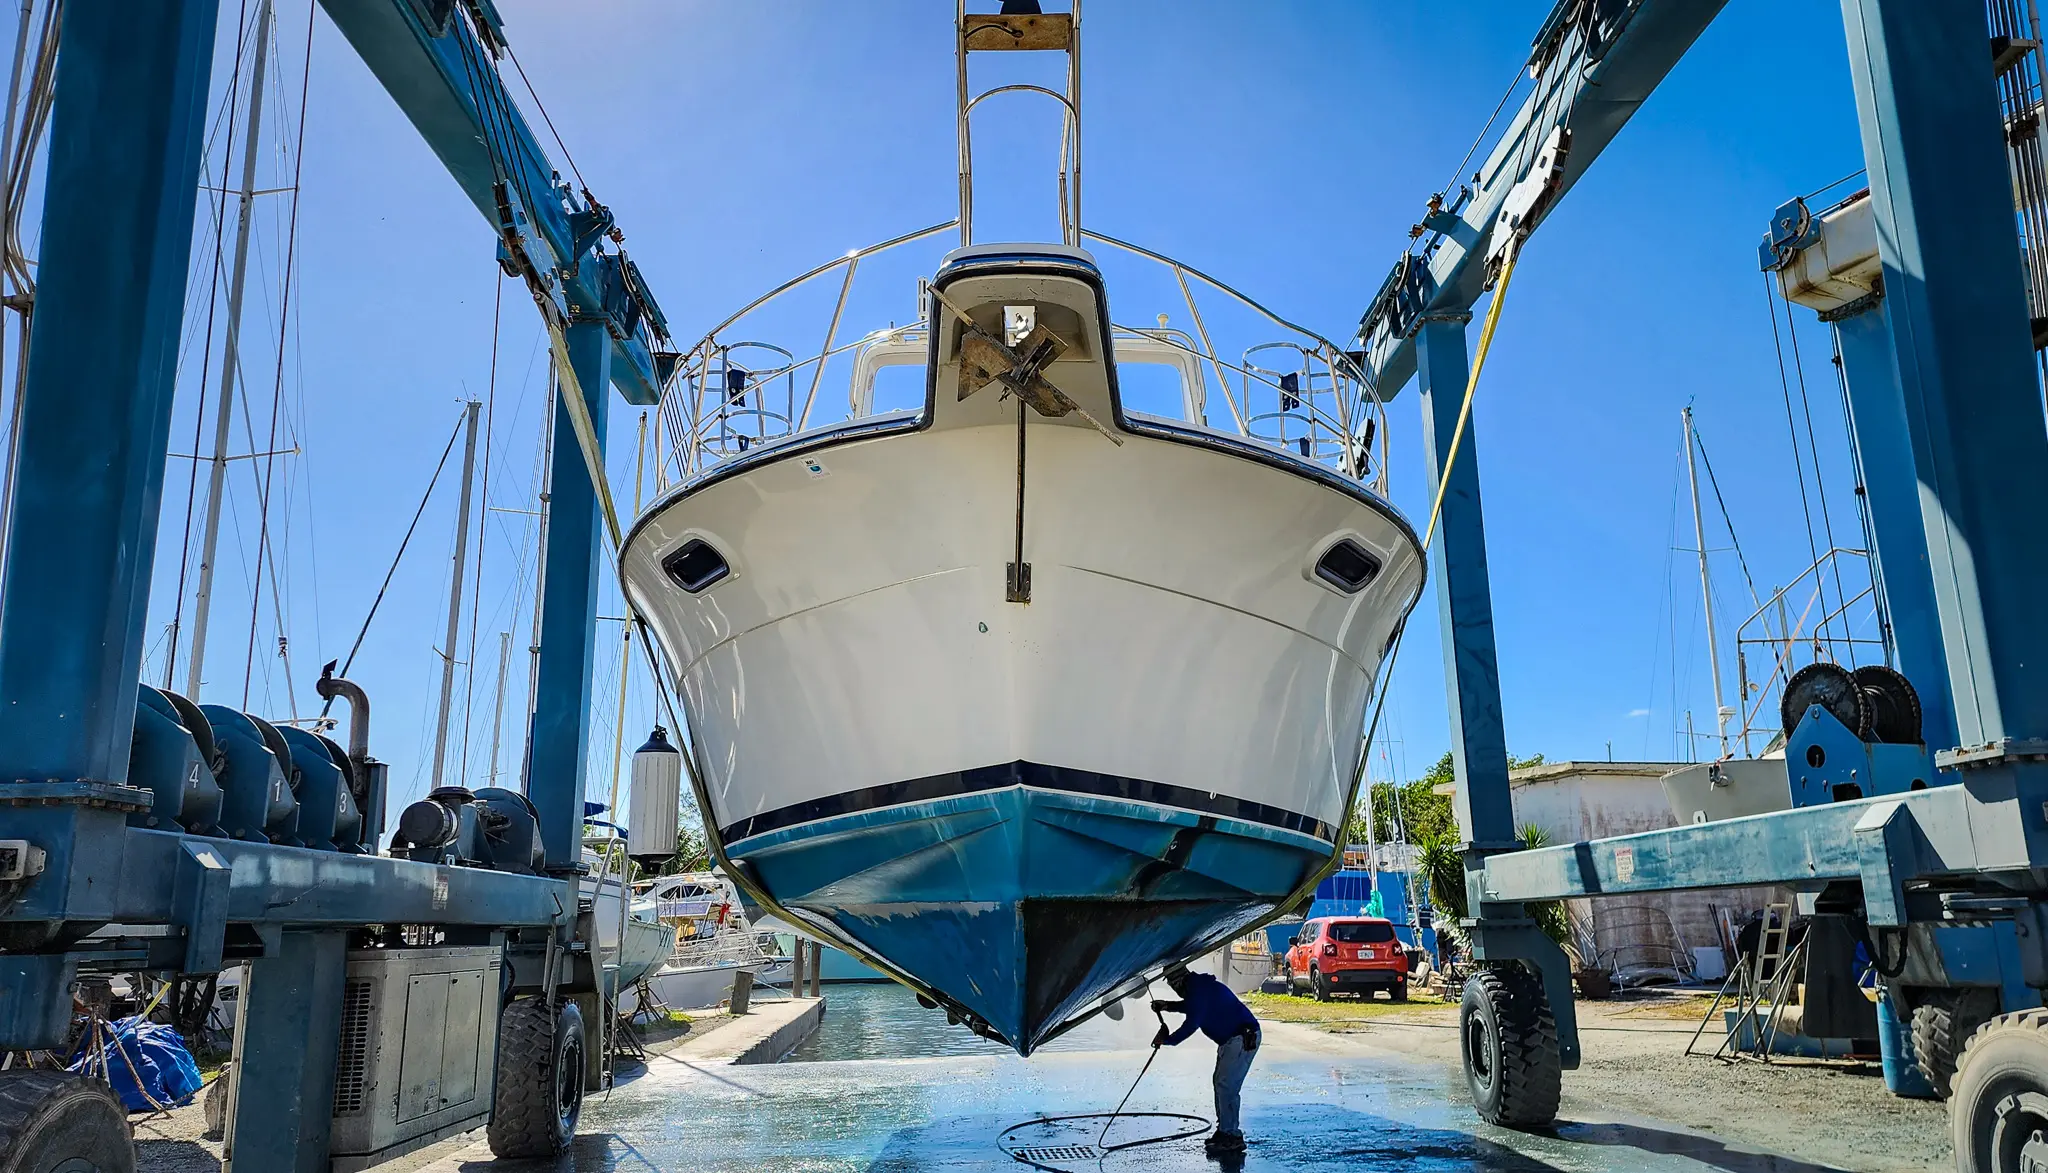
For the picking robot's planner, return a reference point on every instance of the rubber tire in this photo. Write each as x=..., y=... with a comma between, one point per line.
x=1505, y=1021
x=2005, y=1058
x=539, y=1091
x=52, y=1121
x=1398, y=991
x=1320, y=984
x=1943, y=1022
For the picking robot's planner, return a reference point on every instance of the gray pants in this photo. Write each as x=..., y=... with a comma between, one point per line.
x=1233, y=1062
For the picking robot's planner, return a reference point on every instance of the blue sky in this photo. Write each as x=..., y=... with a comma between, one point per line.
x=1284, y=148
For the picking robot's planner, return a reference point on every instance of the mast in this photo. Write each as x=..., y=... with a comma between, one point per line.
x=540, y=568
x=1699, y=530
x=455, y=590
x=498, y=708
x=626, y=631
x=230, y=362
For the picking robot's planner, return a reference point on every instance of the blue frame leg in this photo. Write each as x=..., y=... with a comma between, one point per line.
x=96, y=409
x=558, y=747
x=1884, y=449
x=1464, y=597
x=1955, y=293
x=284, y=1092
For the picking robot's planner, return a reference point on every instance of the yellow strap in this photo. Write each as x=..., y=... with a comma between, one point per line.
x=585, y=429
x=1500, y=292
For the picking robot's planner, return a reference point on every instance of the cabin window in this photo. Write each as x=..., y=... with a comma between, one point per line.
x=694, y=566
x=1348, y=566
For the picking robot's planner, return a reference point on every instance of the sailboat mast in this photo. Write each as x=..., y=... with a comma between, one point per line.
x=540, y=568
x=626, y=632
x=230, y=361
x=455, y=590
x=498, y=707
x=1699, y=530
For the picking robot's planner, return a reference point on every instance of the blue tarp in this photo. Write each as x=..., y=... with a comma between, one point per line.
x=1350, y=892
x=120, y=1051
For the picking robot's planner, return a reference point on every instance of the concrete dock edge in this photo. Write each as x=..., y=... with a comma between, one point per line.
x=767, y=1032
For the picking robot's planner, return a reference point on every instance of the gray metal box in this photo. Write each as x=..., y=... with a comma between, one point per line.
x=419, y=1037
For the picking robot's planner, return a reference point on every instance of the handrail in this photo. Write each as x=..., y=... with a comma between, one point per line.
x=792, y=283
x=1335, y=403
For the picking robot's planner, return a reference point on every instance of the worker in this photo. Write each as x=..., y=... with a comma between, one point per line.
x=1215, y=1011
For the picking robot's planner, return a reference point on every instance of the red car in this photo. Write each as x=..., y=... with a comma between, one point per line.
x=1357, y=953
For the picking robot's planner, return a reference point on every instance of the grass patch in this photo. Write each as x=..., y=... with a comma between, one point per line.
x=1339, y=1014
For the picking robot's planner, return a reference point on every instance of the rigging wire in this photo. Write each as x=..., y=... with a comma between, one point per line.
x=1820, y=490
x=476, y=603
x=1727, y=520
x=284, y=312
x=1792, y=430
x=542, y=107
x=220, y=213
x=350, y=659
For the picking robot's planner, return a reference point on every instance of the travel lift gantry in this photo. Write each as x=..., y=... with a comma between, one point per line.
x=114, y=863
x=1947, y=413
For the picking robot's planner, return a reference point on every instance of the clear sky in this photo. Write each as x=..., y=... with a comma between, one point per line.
x=1283, y=147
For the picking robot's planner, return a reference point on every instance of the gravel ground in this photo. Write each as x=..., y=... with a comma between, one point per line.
x=1836, y=1116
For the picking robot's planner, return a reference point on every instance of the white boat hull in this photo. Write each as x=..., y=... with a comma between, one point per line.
x=1019, y=801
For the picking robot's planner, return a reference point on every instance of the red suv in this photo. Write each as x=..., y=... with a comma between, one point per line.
x=1357, y=953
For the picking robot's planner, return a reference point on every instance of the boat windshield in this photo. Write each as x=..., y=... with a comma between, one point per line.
x=1188, y=349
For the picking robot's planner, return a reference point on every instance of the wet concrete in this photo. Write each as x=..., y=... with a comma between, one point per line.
x=1313, y=1103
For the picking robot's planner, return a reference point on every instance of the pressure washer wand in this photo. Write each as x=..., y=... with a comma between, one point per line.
x=1134, y=1083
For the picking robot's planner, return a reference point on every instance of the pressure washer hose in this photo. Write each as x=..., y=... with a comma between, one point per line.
x=1134, y=1083
x=1201, y=1124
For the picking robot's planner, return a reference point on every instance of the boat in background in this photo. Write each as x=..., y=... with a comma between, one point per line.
x=628, y=936
x=1042, y=682
x=713, y=939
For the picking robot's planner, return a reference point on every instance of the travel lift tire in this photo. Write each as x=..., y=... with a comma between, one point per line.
x=1509, y=1044
x=1944, y=1021
x=1998, y=1114
x=539, y=1091
x=57, y=1122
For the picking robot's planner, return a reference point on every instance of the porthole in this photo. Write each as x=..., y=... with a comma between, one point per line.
x=695, y=566
x=1348, y=566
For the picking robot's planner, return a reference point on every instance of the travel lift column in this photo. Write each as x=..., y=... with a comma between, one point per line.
x=1884, y=450
x=121, y=188
x=1955, y=294
x=1464, y=597
x=559, y=744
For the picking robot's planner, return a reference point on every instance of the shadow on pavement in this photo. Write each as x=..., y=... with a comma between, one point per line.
x=1704, y=1149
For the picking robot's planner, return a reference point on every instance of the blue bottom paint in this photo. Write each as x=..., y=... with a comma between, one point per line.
x=1021, y=907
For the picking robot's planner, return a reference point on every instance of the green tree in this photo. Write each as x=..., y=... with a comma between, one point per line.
x=693, y=849
x=1414, y=812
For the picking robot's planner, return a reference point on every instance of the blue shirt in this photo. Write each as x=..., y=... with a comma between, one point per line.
x=1213, y=1009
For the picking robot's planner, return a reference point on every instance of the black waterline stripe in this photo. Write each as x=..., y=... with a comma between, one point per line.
x=1001, y=777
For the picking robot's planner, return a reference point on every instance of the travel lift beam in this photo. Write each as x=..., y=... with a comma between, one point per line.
x=81, y=889
x=1970, y=413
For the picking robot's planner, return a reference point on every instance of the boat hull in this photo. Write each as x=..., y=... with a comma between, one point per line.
x=1021, y=801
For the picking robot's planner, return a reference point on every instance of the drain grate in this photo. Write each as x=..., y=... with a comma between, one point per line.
x=1070, y=1152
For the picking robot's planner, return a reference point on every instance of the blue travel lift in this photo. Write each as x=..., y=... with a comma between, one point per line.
x=158, y=837
x=1935, y=859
